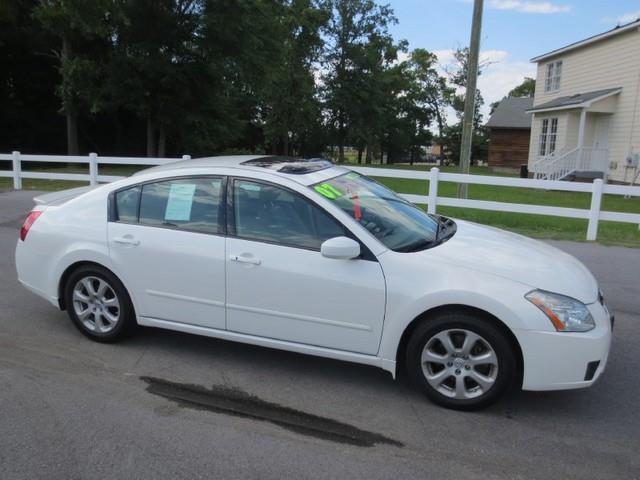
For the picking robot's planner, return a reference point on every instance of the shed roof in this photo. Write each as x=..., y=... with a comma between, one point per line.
x=511, y=112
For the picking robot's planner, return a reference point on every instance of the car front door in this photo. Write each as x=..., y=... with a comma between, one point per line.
x=166, y=240
x=279, y=286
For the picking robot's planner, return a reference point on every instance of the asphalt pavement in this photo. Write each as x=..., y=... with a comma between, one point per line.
x=170, y=405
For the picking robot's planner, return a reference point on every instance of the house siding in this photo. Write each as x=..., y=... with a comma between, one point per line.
x=612, y=62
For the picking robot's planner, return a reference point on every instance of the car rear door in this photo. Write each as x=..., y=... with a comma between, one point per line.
x=166, y=238
x=279, y=285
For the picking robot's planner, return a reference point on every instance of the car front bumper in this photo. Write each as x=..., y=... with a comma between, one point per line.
x=566, y=360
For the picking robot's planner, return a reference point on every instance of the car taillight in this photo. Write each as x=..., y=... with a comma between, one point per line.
x=31, y=218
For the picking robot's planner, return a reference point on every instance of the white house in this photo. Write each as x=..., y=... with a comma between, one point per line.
x=586, y=109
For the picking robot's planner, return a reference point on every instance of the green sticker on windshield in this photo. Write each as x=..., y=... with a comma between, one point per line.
x=328, y=191
x=352, y=175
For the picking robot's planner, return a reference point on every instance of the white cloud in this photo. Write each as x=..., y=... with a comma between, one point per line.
x=403, y=57
x=499, y=76
x=527, y=6
x=624, y=18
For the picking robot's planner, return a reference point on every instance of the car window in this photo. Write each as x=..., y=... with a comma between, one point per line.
x=190, y=204
x=273, y=214
x=398, y=224
x=127, y=204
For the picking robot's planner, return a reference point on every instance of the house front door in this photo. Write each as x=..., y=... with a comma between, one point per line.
x=601, y=133
x=600, y=152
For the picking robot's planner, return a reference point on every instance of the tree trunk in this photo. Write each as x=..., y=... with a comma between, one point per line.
x=162, y=143
x=285, y=145
x=151, y=138
x=369, y=152
x=411, y=159
x=69, y=107
x=440, y=122
x=117, y=123
x=341, y=137
x=360, y=154
x=72, y=131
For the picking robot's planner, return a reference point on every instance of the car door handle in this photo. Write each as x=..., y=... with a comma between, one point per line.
x=245, y=259
x=127, y=240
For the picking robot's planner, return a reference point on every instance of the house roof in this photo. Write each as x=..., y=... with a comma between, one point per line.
x=578, y=100
x=511, y=112
x=595, y=38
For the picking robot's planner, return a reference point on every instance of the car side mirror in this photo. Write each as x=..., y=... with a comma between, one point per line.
x=340, y=248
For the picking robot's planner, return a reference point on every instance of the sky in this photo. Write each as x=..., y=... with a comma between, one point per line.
x=513, y=31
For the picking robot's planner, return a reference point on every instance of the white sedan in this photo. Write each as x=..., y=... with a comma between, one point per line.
x=306, y=256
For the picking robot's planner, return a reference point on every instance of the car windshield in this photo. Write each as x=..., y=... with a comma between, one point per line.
x=398, y=224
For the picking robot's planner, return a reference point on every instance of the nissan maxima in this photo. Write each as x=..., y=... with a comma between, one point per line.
x=306, y=256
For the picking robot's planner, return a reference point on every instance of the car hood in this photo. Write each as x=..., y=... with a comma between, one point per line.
x=518, y=258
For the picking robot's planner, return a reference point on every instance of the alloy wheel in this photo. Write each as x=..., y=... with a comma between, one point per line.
x=459, y=364
x=96, y=304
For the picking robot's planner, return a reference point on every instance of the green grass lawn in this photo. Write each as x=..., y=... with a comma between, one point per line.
x=540, y=226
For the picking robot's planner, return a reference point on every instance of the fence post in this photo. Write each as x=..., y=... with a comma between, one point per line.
x=186, y=157
x=433, y=190
x=93, y=169
x=594, y=211
x=17, y=171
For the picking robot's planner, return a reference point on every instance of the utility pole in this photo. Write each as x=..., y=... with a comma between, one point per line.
x=470, y=96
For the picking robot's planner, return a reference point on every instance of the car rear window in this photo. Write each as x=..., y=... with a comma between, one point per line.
x=190, y=204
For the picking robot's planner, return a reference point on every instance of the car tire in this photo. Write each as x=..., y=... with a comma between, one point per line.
x=98, y=304
x=460, y=360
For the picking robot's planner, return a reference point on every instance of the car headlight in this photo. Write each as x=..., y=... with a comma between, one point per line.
x=567, y=314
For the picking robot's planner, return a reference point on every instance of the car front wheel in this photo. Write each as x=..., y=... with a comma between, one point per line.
x=460, y=360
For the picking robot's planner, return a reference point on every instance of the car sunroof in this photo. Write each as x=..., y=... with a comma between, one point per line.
x=295, y=166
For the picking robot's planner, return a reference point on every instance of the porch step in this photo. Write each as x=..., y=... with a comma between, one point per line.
x=583, y=176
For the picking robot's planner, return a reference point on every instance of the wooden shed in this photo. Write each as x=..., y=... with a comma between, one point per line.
x=509, y=133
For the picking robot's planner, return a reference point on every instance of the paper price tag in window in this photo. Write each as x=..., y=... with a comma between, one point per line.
x=328, y=190
x=180, y=201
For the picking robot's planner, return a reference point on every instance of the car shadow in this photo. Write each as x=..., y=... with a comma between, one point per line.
x=368, y=380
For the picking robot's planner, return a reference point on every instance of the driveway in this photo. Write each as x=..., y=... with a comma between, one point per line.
x=171, y=405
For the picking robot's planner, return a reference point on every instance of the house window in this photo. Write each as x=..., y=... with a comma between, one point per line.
x=548, y=134
x=553, y=131
x=552, y=80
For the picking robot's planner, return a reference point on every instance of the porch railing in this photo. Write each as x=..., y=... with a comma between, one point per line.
x=557, y=166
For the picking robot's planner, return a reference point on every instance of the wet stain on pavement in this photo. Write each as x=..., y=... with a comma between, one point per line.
x=236, y=402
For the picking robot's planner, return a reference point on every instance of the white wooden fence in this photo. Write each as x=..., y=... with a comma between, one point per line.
x=594, y=214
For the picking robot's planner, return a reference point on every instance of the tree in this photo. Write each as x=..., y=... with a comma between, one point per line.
x=359, y=50
x=453, y=134
x=526, y=89
x=432, y=93
x=82, y=29
x=154, y=67
x=290, y=105
x=29, y=119
x=211, y=76
x=458, y=77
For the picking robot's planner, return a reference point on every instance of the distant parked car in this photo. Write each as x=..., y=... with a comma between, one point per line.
x=313, y=258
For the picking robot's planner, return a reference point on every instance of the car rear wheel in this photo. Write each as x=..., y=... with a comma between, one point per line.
x=98, y=304
x=460, y=361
